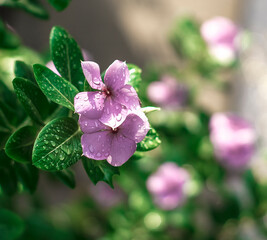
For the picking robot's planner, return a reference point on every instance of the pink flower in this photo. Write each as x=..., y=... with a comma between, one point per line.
x=117, y=145
x=105, y=196
x=233, y=139
x=114, y=98
x=167, y=92
x=220, y=35
x=167, y=185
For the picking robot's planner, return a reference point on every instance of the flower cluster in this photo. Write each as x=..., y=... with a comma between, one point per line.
x=167, y=185
x=110, y=117
x=220, y=35
x=168, y=93
x=233, y=139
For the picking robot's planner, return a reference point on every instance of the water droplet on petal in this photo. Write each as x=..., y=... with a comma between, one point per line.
x=96, y=81
x=91, y=148
x=119, y=117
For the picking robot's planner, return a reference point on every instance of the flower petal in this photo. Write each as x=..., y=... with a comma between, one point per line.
x=128, y=97
x=117, y=75
x=91, y=72
x=135, y=126
x=114, y=113
x=97, y=145
x=90, y=104
x=122, y=149
x=91, y=125
x=52, y=67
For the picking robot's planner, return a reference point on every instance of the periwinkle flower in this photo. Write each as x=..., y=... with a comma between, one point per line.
x=114, y=98
x=220, y=35
x=167, y=186
x=233, y=139
x=117, y=145
x=167, y=93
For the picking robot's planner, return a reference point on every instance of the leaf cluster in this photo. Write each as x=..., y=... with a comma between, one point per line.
x=35, y=7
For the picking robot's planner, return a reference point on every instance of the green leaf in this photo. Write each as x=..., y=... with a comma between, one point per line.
x=187, y=40
x=99, y=170
x=8, y=178
x=56, y=88
x=27, y=175
x=11, y=225
x=20, y=143
x=58, y=145
x=67, y=56
x=32, y=99
x=7, y=38
x=150, y=109
x=59, y=5
x=31, y=6
x=135, y=76
x=67, y=177
x=150, y=142
x=24, y=70
x=10, y=107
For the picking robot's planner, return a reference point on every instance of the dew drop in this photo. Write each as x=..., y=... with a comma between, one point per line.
x=119, y=117
x=96, y=81
x=61, y=157
x=91, y=148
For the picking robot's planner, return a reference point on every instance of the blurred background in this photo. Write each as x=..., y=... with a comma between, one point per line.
x=213, y=127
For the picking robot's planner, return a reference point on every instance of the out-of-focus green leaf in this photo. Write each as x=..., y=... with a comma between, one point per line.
x=27, y=175
x=67, y=177
x=11, y=225
x=7, y=38
x=31, y=6
x=187, y=41
x=8, y=178
x=59, y=5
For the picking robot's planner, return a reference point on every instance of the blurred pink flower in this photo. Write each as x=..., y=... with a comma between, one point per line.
x=105, y=196
x=167, y=185
x=220, y=35
x=233, y=139
x=167, y=92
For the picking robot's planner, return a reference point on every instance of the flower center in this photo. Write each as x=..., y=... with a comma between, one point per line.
x=115, y=130
x=107, y=92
